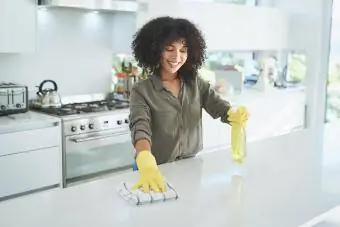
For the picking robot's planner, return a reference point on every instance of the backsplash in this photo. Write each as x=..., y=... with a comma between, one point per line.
x=74, y=48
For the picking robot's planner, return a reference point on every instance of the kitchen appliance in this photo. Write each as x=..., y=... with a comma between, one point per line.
x=48, y=97
x=13, y=98
x=282, y=80
x=95, y=136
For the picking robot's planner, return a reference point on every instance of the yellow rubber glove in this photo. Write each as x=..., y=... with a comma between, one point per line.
x=238, y=120
x=150, y=176
x=240, y=116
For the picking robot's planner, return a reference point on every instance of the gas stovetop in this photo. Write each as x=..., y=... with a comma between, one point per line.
x=83, y=107
x=3, y=84
x=8, y=84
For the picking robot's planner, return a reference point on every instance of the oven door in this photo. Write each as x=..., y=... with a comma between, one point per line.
x=95, y=153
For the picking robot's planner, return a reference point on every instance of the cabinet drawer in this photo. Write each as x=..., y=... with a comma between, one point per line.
x=17, y=142
x=29, y=171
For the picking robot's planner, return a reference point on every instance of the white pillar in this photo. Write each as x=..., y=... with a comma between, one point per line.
x=310, y=33
x=317, y=70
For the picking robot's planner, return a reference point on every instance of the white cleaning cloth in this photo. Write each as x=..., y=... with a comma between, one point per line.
x=138, y=197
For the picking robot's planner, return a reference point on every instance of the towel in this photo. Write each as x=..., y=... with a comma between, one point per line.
x=138, y=197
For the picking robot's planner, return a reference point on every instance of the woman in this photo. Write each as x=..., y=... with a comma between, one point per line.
x=166, y=108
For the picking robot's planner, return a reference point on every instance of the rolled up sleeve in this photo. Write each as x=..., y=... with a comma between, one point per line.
x=140, y=117
x=215, y=106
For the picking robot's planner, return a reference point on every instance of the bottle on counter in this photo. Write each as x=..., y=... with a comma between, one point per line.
x=113, y=80
x=120, y=85
x=238, y=144
x=238, y=138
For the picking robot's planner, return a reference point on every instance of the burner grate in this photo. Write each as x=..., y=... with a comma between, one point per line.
x=83, y=107
x=4, y=84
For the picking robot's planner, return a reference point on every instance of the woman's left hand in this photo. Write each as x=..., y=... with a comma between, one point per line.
x=240, y=116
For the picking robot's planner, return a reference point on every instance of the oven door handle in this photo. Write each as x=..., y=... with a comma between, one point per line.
x=97, y=137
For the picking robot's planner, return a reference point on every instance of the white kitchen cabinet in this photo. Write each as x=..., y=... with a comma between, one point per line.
x=210, y=131
x=30, y=153
x=226, y=26
x=270, y=114
x=215, y=132
x=27, y=140
x=29, y=170
x=18, y=26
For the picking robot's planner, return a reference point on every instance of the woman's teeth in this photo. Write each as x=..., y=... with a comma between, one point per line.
x=173, y=65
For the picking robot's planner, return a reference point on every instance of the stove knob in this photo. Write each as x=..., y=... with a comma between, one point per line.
x=91, y=126
x=126, y=121
x=82, y=127
x=18, y=105
x=73, y=129
x=3, y=107
x=119, y=122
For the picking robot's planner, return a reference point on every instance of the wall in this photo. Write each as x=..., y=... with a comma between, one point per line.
x=75, y=50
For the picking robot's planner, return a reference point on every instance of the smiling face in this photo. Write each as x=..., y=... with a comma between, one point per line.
x=174, y=56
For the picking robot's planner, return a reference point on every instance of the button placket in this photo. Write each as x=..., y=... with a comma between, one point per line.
x=181, y=136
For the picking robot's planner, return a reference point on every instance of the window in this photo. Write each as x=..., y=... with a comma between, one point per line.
x=296, y=67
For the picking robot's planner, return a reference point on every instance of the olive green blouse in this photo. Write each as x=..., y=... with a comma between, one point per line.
x=173, y=125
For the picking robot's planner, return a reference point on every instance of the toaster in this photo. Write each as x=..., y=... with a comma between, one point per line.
x=13, y=98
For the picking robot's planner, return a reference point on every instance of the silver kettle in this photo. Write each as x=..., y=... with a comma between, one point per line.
x=48, y=98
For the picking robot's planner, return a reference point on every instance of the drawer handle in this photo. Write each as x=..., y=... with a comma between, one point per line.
x=91, y=138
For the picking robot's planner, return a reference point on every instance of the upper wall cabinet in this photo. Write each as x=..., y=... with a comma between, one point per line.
x=18, y=26
x=226, y=26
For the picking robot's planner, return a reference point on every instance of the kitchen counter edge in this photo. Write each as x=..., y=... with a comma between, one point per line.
x=27, y=121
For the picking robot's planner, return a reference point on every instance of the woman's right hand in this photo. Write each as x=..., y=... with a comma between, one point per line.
x=150, y=176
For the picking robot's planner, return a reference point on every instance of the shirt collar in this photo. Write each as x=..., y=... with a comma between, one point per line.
x=157, y=82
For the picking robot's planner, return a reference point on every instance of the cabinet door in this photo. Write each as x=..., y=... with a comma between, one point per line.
x=29, y=171
x=211, y=131
x=224, y=134
x=244, y=27
x=23, y=141
x=18, y=26
x=274, y=114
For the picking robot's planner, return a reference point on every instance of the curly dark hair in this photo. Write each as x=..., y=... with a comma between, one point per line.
x=150, y=41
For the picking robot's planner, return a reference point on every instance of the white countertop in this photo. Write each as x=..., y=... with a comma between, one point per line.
x=252, y=95
x=283, y=187
x=25, y=121
x=330, y=218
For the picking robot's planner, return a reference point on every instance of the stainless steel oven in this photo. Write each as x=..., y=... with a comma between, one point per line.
x=90, y=152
